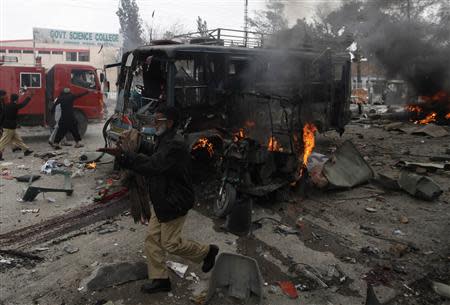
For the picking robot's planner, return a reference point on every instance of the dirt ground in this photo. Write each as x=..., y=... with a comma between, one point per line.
x=401, y=245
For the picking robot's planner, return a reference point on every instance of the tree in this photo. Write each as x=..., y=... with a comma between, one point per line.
x=130, y=24
x=202, y=27
x=270, y=20
x=163, y=32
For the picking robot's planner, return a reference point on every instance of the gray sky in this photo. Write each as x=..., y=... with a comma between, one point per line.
x=17, y=18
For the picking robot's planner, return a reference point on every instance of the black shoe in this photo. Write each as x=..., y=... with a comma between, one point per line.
x=157, y=285
x=210, y=259
x=27, y=152
x=16, y=149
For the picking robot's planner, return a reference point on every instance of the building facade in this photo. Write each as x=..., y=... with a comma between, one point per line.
x=47, y=49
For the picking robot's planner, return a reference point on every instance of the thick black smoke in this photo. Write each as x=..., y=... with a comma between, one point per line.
x=407, y=50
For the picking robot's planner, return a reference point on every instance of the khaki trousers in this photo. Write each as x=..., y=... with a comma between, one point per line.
x=165, y=237
x=10, y=136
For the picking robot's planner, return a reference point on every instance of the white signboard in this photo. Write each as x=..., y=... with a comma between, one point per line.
x=76, y=37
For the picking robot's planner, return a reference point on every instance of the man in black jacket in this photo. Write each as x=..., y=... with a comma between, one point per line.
x=10, y=135
x=167, y=167
x=67, y=122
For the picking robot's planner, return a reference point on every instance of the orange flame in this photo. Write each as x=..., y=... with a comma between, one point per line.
x=273, y=145
x=429, y=118
x=204, y=143
x=439, y=96
x=240, y=135
x=414, y=108
x=91, y=165
x=448, y=116
x=308, y=141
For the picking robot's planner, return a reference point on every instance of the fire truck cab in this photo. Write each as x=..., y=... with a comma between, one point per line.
x=47, y=85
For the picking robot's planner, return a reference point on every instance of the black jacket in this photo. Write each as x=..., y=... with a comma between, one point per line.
x=10, y=113
x=168, y=168
x=66, y=100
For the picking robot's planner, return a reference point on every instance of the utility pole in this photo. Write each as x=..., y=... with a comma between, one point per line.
x=246, y=22
x=408, y=8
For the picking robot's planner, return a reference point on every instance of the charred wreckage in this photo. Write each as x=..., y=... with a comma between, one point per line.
x=254, y=110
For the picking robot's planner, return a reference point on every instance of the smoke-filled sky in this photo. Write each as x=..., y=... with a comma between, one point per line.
x=17, y=18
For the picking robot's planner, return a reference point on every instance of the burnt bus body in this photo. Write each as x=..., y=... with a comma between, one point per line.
x=250, y=104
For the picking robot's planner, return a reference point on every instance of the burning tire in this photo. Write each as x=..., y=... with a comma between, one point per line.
x=225, y=200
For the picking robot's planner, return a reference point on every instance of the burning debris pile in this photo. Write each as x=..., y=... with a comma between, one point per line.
x=434, y=109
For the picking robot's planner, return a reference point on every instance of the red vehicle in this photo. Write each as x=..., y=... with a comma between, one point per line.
x=47, y=85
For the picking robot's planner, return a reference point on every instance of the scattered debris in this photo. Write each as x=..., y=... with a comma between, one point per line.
x=41, y=249
x=369, y=230
x=371, y=250
x=441, y=289
x=6, y=174
x=70, y=249
x=7, y=261
x=398, y=232
x=371, y=210
x=430, y=166
x=199, y=299
x=403, y=220
x=105, y=229
x=399, y=250
x=239, y=274
x=25, y=211
x=419, y=186
x=178, y=268
x=432, y=130
x=347, y=168
x=309, y=272
x=371, y=298
x=114, y=275
x=32, y=191
x=194, y=276
x=349, y=259
x=49, y=155
x=28, y=178
x=283, y=229
x=288, y=288
x=49, y=166
x=315, y=168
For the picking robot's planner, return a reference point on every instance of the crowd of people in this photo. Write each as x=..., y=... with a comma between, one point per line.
x=63, y=110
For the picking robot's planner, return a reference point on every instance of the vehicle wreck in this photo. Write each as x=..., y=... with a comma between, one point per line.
x=255, y=110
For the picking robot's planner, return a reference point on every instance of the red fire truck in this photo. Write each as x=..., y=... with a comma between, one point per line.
x=47, y=85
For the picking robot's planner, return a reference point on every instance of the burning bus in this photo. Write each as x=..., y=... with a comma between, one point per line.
x=253, y=110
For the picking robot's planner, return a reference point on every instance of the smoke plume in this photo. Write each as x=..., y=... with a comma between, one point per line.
x=407, y=51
